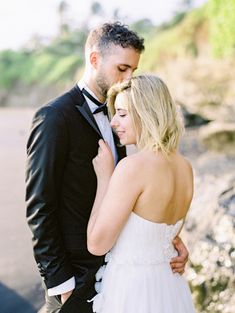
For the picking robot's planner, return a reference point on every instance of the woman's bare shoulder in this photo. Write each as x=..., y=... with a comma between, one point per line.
x=132, y=163
x=186, y=163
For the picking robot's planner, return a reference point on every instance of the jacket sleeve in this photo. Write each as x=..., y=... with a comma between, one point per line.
x=47, y=150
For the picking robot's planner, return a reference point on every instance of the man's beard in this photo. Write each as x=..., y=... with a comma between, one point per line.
x=103, y=85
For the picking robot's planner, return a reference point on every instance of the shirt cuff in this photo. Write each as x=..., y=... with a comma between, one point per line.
x=67, y=286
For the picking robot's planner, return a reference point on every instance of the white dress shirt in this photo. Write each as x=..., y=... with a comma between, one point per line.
x=101, y=120
x=106, y=131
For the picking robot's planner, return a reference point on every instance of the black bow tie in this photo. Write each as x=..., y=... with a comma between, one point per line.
x=102, y=107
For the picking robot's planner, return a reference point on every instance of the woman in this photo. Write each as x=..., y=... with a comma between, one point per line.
x=141, y=205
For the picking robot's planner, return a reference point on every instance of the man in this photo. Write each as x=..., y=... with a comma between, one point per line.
x=61, y=183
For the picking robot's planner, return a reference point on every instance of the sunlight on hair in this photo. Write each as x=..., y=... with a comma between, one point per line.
x=156, y=118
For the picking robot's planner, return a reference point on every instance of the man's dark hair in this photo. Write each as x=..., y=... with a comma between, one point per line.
x=114, y=33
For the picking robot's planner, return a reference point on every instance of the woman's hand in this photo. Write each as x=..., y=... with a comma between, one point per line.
x=103, y=163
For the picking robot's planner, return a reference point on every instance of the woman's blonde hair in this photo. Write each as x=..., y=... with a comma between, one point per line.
x=155, y=116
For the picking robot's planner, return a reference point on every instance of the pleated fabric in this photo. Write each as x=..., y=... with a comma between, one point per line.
x=138, y=277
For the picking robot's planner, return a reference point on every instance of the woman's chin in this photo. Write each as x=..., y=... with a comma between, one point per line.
x=126, y=142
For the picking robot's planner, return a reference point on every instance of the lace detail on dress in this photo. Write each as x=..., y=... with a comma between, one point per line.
x=98, y=300
x=141, y=243
x=168, y=247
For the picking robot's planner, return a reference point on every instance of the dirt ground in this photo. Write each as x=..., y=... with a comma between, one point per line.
x=20, y=284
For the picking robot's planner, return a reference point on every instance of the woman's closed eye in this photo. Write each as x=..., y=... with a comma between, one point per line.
x=120, y=112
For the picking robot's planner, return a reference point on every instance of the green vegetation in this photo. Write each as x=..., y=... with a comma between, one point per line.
x=222, y=26
x=13, y=67
x=183, y=36
x=212, y=24
x=179, y=40
x=45, y=65
x=61, y=59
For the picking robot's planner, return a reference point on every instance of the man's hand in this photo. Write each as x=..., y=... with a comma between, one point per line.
x=178, y=263
x=65, y=296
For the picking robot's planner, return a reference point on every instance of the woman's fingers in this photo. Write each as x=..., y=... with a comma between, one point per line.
x=103, y=146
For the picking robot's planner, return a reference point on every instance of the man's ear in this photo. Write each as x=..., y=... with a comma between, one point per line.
x=94, y=58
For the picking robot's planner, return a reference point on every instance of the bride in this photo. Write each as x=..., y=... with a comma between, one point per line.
x=140, y=207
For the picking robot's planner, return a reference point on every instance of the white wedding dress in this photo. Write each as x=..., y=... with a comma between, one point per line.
x=138, y=277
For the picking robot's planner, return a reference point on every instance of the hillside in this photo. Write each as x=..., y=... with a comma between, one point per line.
x=186, y=52
x=188, y=40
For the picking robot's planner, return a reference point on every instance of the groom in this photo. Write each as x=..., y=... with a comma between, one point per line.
x=60, y=180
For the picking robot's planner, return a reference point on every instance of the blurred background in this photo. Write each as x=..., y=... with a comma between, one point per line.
x=191, y=45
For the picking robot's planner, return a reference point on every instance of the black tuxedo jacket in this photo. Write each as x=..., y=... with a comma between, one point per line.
x=61, y=187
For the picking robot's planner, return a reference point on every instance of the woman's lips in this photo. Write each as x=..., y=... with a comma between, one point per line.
x=120, y=133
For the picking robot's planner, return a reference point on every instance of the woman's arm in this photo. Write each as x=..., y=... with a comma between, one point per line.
x=115, y=198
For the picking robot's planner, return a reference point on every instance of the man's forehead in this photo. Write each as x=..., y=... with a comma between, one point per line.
x=118, y=49
x=123, y=56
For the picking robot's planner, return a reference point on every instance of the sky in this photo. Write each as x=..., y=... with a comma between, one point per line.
x=21, y=19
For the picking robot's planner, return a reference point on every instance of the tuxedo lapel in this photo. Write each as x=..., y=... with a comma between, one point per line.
x=85, y=111
x=83, y=108
x=121, y=150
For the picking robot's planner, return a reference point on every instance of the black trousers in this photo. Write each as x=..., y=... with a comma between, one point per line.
x=76, y=303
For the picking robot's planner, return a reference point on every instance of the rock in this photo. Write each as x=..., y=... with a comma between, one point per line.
x=219, y=137
x=209, y=229
x=227, y=199
x=3, y=97
x=212, y=245
x=192, y=119
x=34, y=96
x=204, y=85
x=216, y=111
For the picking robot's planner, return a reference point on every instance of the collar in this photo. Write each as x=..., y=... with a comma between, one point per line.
x=81, y=84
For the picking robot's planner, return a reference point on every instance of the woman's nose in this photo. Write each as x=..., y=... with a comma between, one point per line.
x=113, y=122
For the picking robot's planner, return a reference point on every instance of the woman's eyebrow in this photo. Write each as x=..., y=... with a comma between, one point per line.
x=121, y=109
